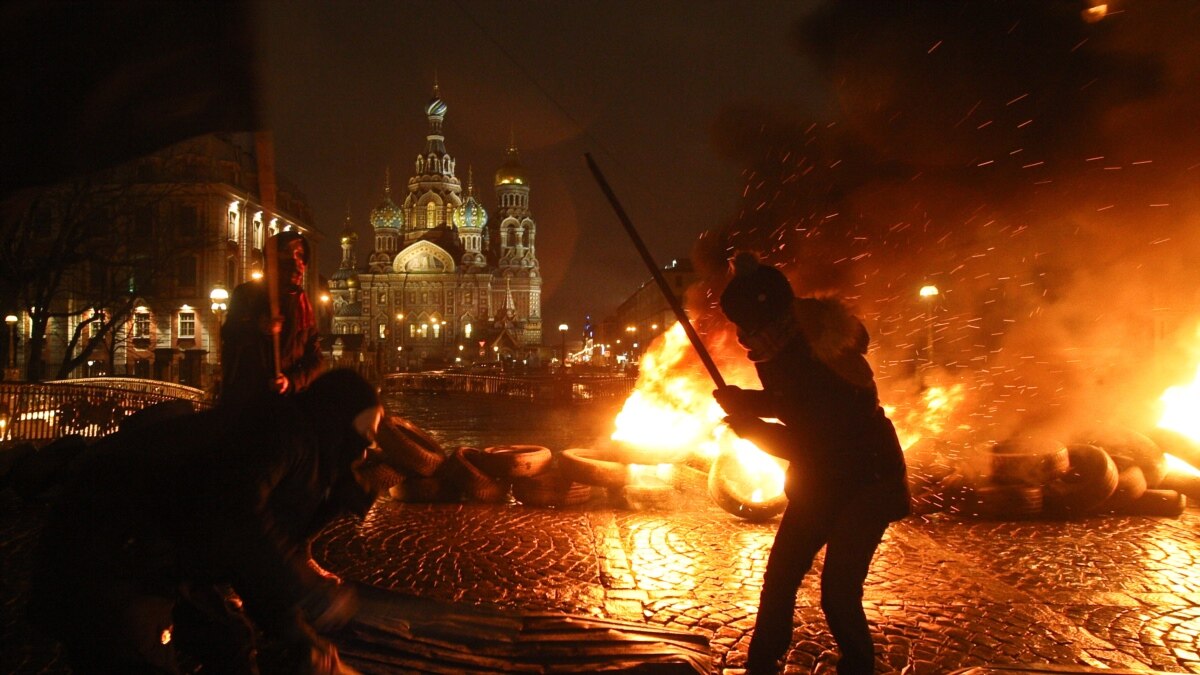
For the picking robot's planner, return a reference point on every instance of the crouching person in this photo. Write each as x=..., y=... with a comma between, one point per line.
x=184, y=546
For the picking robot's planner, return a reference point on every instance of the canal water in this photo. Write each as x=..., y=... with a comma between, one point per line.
x=481, y=421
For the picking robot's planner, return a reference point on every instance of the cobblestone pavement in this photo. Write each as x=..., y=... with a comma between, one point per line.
x=943, y=592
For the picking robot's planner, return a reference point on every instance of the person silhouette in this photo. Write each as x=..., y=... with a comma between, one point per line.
x=846, y=478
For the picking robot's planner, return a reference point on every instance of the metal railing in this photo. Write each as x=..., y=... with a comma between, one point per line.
x=91, y=407
x=546, y=388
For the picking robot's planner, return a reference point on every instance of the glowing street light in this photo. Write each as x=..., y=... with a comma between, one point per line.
x=12, y=320
x=928, y=294
x=562, y=334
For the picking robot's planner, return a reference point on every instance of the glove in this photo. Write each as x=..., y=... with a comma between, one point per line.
x=746, y=426
x=737, y=402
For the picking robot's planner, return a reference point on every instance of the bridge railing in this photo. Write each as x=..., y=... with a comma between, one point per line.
x=91, y=407
x=545, y=388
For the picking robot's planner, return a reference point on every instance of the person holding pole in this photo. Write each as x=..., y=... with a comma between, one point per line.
x=270, y=343
x=846, y=474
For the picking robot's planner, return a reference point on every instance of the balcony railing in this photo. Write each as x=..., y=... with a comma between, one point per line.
x=91, y=407
x=545, y=388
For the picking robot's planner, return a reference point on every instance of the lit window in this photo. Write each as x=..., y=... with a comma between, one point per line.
x=382, y=331
x=187, y=324
x=467, y=331
x=141, y=324
x=437, y=330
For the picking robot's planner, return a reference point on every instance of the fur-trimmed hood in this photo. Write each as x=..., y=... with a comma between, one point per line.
x=835, y=336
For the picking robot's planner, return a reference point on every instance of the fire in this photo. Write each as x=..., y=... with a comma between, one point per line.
x=672, y=411
x=929, y=416
x=1179, y=408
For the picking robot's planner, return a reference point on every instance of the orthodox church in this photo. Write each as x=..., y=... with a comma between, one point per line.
x=444, y=284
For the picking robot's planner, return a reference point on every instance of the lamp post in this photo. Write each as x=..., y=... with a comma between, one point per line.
x=218, y=296
x=400, y=342
x=11, y=361
x=562, y=334
x=929, y=294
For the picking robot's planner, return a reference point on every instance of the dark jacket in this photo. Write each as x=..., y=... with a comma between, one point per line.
x=225, y=496
x=820, y=387
x=247, y=361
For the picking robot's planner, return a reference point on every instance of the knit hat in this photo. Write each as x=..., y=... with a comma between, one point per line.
x=757, y=295
x=338, y=396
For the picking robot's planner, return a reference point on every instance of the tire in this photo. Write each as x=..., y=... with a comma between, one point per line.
x=1162, y=503
x=592, y=467
x=1027, y=461
x=1131, y=485
x=514, y=461
x=475, y=485
x=1090, y=480
x=408, y=449
x=550, y=489
x=1006, y=502
x=380, y=476
x=1177, y=445
x=731, y=495
x=1120, y=442
x=421, y=489
x=1186, y=484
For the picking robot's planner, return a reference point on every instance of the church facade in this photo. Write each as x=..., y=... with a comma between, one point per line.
x=445, y=283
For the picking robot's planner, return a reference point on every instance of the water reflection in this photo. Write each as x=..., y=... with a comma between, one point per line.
x=482, y=421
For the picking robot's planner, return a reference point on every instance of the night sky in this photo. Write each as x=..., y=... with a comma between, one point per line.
x=1038, y=160
x=639, y=85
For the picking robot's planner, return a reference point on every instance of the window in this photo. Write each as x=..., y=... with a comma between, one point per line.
x=186, y=272
x=383, y=331
x=431, y=215
x=141, y=324
x=187, y=324
x=383, y=297
x=467, y=331
x=437, y=330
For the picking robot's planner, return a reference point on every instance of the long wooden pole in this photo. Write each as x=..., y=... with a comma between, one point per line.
x=264, y=150
x=676, y=306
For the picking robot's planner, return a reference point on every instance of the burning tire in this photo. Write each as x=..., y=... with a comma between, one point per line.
x=1090, y=480
x=1177, y=445
x=407, y=448
x=737, y=487
x=1027, y=461
x=513, y=461
x=593, y=467
x=550, y=488
x=1005, y=502
x=476, y=486
x=1137, y=448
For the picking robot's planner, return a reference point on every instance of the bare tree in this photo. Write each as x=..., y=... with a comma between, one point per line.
x=86, y=251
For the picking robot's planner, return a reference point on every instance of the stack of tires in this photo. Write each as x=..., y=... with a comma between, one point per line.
x=1110, y=470
x=414, y=467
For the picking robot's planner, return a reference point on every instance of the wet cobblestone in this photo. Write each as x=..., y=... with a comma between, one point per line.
x=943, y=593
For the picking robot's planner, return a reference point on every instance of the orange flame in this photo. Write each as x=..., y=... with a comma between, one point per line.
x=928, y=417
x=672, y=412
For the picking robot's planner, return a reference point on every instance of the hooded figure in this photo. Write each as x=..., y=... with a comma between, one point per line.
x=247, y=347
x=157, y=521
x=846, y=477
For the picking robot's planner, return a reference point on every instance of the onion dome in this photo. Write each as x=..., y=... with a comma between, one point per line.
x=471, y=215
x=511, y=172
x=387, y=214
x=436, y=106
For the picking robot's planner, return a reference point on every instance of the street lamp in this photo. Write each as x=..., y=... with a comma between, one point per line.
x=11, y=320
x=218, y=296
x=929, y=294
x=562, y=334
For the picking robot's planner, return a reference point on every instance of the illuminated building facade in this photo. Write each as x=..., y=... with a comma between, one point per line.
x=445, y=283
x=193, y=213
